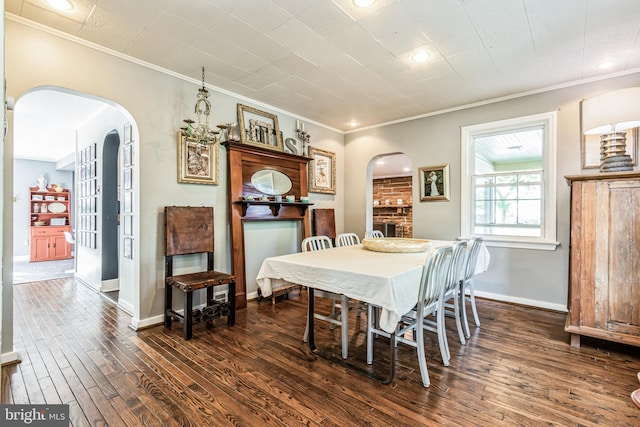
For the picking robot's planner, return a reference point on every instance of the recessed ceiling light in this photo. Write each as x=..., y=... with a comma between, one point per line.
x=60, y=4
x=420, y=57
x=606, y=64
x=380, y=162
x=406, y=169
x=353, y=123
x=363, y=3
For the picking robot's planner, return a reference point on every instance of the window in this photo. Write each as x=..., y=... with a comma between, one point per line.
x=509, y=182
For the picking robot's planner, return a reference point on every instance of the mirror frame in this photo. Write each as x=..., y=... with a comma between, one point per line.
x=245, y=115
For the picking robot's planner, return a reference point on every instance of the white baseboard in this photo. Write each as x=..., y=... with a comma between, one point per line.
x=145, y=323
x=11, y=357
x=110, y=285
x=21, y=258
x=522, y=301
x=126, y=307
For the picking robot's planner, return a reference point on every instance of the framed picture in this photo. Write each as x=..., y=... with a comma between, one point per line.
x=197, y=163
x=127, y=133
x=591, y=149
x=322, y=171
x=259, y=128
x=434, y=183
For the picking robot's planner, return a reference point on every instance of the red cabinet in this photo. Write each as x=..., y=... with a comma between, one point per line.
x=49, y=219
x=48, y=243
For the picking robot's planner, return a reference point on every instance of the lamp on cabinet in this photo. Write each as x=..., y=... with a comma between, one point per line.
x=610, y=115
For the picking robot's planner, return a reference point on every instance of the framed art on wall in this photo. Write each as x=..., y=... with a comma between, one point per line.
x=259, y=128
x=322, y=171
x=434, y=183
x=197, y=163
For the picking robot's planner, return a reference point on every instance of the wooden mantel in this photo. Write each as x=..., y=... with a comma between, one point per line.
x=243, y=161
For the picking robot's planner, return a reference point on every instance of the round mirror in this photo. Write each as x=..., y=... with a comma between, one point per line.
x=271, y=182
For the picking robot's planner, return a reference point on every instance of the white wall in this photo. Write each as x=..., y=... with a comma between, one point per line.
x=524, y=276
x=25, y=174
x=157, y=102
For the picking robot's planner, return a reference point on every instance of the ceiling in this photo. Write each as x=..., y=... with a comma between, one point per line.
x=347, y=68
x=334, y=64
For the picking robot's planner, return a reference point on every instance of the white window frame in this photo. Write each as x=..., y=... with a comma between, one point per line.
x=548, y=240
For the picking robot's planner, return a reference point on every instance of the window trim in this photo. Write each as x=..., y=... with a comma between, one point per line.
x=548, y=241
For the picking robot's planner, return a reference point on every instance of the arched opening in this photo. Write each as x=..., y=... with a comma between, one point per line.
x=390, y=199
x=72, y=139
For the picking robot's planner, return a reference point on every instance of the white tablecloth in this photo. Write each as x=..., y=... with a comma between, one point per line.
x=387, y=280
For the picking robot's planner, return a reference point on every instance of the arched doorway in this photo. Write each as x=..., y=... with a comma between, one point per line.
x=84, y=133
x=390, y=208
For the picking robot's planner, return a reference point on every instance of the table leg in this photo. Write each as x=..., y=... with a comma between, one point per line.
x=311, y=338
x=231, y=300
x=344, y=318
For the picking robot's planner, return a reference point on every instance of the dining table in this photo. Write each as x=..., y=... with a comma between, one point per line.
x=388, y=280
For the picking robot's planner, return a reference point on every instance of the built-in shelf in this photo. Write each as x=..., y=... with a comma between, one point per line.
x=274, y=206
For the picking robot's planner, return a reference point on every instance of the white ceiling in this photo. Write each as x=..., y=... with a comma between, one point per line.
x=332, y=63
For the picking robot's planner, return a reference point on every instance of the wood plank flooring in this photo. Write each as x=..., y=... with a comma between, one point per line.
x=517, y=369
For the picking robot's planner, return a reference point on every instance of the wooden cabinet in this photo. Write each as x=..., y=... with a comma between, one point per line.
x=604, y=266
x=48, y=218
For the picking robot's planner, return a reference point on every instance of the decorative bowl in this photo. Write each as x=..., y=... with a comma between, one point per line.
x=39, y=223
x=396, y=244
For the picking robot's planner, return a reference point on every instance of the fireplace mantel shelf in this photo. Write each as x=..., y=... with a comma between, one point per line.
x=274, y=206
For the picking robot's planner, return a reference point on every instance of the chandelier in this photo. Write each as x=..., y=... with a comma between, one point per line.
x=200, y=133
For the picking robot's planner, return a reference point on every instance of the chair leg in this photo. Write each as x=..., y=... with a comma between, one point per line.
x=188, y=316
x=168, y=304
x=442, y=336
x=473, y=305
x=422, y=357
x=456, y=308
x=463, y=308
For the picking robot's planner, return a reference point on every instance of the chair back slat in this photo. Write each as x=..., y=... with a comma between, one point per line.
x=373, y=234
x=316, y=243
x=433, y=276
x=457, y=265
x=475, y=245
x=347, y=239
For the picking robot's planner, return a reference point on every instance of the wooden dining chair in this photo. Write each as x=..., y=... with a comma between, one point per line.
x=189, y=230
x=466, y=282
x=432, y=283
x=339, y=303
x=373, y=234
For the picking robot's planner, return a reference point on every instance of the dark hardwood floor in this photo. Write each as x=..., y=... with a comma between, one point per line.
x=517, y=369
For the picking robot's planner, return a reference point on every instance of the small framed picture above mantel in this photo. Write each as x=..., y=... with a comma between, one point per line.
x=259, y=128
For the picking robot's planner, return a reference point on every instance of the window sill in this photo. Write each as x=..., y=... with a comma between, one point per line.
x=520, y=243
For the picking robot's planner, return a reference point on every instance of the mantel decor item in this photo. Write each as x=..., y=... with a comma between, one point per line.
x=614, y=117
x=259, y=128
x=197, y=163
x=434, y=183
x=200, y=133
x=322, y=171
